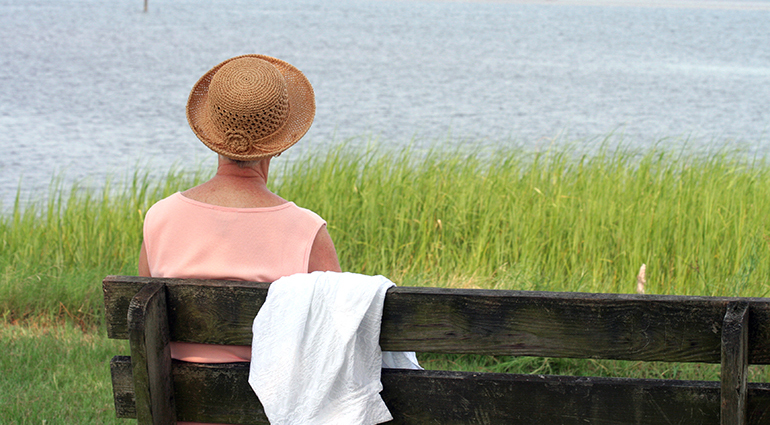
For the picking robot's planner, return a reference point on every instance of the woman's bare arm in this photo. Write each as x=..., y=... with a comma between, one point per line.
x=323, y=256
x=144, y=267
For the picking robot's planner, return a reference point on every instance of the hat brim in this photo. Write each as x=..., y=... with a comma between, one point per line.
x=298, y=122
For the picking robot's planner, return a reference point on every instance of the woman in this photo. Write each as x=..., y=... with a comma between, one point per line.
x=247, y=109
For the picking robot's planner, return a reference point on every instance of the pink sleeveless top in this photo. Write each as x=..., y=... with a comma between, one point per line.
x=185, y=238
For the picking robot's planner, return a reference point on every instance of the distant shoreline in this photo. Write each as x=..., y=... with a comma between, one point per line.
x=674, y=4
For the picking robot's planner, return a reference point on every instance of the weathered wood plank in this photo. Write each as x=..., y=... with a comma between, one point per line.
x=207, y=311
x=149, y=340
x=123, y=387
x=735, y=364
x=118, y=292
x=567, y=325
x=220, y=393
x=212, y=393
x=522, y=323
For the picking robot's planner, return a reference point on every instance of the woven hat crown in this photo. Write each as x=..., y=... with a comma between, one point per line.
x=248, y=101
x=251, y=107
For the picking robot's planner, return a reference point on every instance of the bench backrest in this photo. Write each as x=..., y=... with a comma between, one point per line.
x=732, y=331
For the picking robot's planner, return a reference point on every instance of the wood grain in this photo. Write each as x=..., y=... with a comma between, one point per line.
x=735, y=364
x=519, y=323
x=149, y=340
x=220, y=393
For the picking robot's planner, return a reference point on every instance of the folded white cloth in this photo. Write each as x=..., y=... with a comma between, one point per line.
x=316, y=357
x=400, y=360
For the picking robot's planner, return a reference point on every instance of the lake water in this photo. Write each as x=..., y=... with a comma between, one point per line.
x=92, y=88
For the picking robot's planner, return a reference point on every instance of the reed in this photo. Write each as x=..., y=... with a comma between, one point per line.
x=547, y=220
x=505, y=219
x=55, y=252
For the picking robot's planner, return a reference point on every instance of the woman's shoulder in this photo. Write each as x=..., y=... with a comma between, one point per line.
x=168, y=200
x=164, y=205
x=309, y=213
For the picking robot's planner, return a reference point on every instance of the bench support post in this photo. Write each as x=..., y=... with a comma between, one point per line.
x=735, y=348
x=151, y=356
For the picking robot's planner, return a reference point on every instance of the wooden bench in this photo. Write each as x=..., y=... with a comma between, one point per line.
x=735, y=332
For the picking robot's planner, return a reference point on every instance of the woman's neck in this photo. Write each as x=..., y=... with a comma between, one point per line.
x=237, y=187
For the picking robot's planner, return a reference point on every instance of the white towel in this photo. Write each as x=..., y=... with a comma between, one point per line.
x=316, y=357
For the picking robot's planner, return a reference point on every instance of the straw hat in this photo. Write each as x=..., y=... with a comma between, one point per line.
x=251, y=107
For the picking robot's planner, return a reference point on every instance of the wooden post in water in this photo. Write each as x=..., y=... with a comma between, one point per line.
x=145, y=6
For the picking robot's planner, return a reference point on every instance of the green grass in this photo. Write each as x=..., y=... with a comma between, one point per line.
x=54, y=253
x=505, y=219
x=548, y=220
x=583, y=367
x=56, y=375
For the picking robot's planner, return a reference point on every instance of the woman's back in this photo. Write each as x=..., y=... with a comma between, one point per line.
x=186, y=238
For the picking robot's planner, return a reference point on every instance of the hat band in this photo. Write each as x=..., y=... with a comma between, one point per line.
x=242, y=142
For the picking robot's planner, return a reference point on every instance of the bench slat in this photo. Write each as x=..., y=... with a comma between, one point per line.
x=220, y=393
x=149, y=338
x=520, y=323
x=735, y=364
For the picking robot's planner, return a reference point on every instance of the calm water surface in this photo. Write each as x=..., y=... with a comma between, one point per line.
x=95, y=88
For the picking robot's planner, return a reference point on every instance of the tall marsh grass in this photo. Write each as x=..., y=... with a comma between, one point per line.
x=54, y=253
x=505, y=219
x=547, y=220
